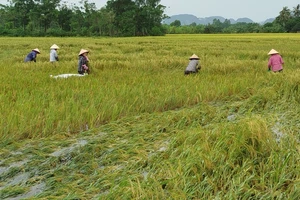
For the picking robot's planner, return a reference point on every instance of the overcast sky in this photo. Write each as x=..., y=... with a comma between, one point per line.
x=257, y=10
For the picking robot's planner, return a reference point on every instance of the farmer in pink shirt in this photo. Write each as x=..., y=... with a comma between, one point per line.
x=275, y=61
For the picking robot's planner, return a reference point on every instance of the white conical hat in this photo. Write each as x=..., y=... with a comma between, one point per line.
x=54, y=46
x=82, y=51
x=273, y=51
x=36, y=50
x=194, y=56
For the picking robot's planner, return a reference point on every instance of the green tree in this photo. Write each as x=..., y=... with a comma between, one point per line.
x=176, y=23
x=218, y=26
x=139, y=17
x=4, y=19
x=21, y=9
x=296, y=28
x=296, y=11
x=284, y=17
x=125, y=14
x=35, y=23
x=200, y=28
x=226, y=23
x=64, y=17
x=271, y=28
x=91, y=17
x=48, y=12
x=155, y=16
x=291, y=25
x=149, y=15
x=209, y=28
x=78, y=21
x=57, y=18
x=106, y=19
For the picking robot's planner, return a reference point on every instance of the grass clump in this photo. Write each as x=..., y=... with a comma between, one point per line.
x=11, y=192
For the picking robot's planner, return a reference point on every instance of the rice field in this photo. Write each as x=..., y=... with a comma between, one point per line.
x=137, y=128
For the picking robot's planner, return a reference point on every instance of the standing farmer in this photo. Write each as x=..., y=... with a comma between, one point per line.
x=53, y=53
x=275, y=61
x=83, y=62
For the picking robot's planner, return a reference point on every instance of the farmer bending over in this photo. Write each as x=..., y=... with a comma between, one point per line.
x=275, y=61
x=32, y=55
x=193, y=66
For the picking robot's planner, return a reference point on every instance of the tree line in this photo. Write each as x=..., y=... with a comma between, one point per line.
x=118, y=18
x=59, y=18
x=288, y=21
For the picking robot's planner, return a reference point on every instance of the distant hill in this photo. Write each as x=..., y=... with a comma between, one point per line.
x=270, y=20
x=245, y=19
x=187, y=19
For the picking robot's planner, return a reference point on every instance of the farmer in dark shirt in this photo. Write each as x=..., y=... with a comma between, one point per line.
x=32, y=55
x=83, y=62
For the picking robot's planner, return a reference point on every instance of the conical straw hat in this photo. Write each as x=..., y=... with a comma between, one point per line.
x=82, y=51
x=36, y=50
x=54, y=46
x=273, y=51
x=194, y=56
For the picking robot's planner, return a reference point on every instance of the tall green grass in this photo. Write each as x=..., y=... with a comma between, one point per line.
x=229, y=132
x=130, y=76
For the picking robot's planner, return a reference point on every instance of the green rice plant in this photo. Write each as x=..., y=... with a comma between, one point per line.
x=129, y=76
x=209, y=162
x=11, y=192
x=137, y=128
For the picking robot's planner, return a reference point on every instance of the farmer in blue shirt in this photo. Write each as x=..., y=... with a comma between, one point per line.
x=32, y=55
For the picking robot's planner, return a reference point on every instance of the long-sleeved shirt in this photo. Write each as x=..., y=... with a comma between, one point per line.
x=275, y=62
x=192, y=66
x=53, y=55
x=83, y=61
x=31, y=57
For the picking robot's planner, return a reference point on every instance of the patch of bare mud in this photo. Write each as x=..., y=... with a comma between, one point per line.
x=70, y=149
